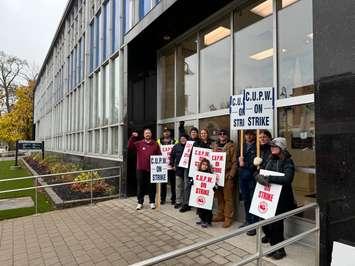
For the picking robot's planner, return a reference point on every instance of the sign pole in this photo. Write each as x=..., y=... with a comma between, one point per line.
x=241, y=142
x=158, y=195
x=43, y=150
x=257, y=143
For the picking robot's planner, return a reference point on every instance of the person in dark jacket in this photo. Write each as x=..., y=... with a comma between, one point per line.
x=280, y=161
x=187, y=184
x=175, y=158
x=168, y=140
x=246, y=177
x=265, y=152
x=144, y=149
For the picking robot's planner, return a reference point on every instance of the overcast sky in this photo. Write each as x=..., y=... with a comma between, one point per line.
x=28, y=27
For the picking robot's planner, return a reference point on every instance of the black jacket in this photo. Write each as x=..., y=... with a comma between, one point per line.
x=265, y=153
x=175, y=157
x=286, y=166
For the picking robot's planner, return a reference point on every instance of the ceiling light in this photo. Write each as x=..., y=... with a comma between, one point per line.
x=263, y=54
x=286, y=3
x=216, y=35
x=284, y=50
x=264, y=9
x=310, y=35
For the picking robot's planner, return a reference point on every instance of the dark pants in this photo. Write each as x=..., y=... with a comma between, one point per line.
x=274, y=232
x=247, y=186
x=205, y=215
x=187, y=187
x=172, y=182
x=145, y=187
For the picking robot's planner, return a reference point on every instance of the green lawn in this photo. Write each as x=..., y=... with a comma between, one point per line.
x=6, y=173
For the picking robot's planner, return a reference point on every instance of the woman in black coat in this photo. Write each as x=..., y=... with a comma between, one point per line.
x=279, y=161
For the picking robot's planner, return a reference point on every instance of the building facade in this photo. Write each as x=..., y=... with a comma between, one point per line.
x=116, y=66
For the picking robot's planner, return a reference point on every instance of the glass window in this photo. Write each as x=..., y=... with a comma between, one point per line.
x=253, y=47
x=144, y=7
x=296, y=124
x=91, y=141
x=91, y=102
x=186, y=90
x=99, y=99
x=167, y=96
x=214, y=124
x=114, y=131
x=295, y=49
x=97, y=40
x=92, y=46
x=97, y=141
x=106, y=96
x=215, y=67
x=115, y=90
x=106, y=31
x=105, y=140
x=115, y=25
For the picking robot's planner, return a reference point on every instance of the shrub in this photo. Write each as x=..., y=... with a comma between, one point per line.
x=97, y=186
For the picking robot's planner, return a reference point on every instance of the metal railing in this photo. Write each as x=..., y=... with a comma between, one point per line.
x=38, y=178
x=260, y=253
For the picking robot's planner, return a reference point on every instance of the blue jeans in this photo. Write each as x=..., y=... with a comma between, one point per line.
x=247, y=186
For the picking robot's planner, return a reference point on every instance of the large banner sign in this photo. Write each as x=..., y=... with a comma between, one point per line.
x=184, y=161
x=197, y=155
x=166, y=151
x=236, y=110
x=259, y=108
x=218, y=161
x=158, y=169
x=266, y=198
x=202, y=190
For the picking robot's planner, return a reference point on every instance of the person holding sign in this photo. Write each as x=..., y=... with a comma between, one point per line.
x=175, y=158
x=225, y=195
x=205, y=215
x=144, y=149
x=280, y=161
x=265, y=152
x=246, y=177
x=187, y=181
x=165, y=141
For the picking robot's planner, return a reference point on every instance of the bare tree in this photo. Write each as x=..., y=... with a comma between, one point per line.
x=11, y=68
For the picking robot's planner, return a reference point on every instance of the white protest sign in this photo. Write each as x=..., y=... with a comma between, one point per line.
x=259, y=108
x=196, y=157
x=202, y=190
x=236, y=110
x=184, y=161
x=218, y=161
x=158, y=169
x=266, y=198
x=166, y=151
x=343, y=255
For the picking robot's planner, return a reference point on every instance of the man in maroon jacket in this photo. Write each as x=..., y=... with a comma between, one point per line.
x=144, y=148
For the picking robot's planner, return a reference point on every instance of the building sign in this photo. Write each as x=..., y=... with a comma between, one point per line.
x=259, y=108
x=266, y=198
x=196, y=157
x=218, y=161
x=236, y=111
x=158, y=169
x=184, y=161
x=166, y=151
x=29, y=145
x=202, y=190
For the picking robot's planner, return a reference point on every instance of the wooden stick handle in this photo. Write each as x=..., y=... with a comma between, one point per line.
x=241, y=142
x=257, y=143
x=158, y=196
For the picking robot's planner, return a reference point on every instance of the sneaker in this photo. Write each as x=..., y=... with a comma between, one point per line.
x=139, y=206
x=265, y=240
x=270, y=254
x=185, y=208
x=204, y=224
x=177, y=205
x=279, y=254
x=251, y=232
x=152, y=206
x=199, y=222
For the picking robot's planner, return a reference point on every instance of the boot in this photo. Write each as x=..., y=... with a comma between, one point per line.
x=218, y=218
x=227, y=223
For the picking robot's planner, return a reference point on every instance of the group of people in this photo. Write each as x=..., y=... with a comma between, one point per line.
x=240, y=167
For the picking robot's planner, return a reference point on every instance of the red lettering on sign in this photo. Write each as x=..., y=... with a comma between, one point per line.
x=202, y=191
x=203, y=185
x=265, y=196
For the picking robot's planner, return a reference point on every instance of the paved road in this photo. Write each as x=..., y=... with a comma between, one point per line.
x=109, y=233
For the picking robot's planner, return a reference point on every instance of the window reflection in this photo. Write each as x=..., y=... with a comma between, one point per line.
x=167, y=91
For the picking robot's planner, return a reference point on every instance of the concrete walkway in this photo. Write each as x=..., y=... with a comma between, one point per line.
x=114, y=233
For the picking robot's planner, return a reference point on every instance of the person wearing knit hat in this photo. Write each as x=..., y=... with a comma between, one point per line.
x=279, y=161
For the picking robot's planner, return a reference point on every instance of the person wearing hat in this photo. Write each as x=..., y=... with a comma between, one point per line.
x=246, y=177
x=225, y=195
x=279, y=161
x=187, y=184
x=166, y=139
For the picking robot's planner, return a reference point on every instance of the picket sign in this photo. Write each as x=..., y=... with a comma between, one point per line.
x=184, y=161
x=218, y=161
x=237, y=112
x=158, y=169
x=166, y=151
x=266, y=198
x=202, y=193
x=196, y=157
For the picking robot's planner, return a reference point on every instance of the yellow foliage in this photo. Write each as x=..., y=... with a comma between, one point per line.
x=17, y=124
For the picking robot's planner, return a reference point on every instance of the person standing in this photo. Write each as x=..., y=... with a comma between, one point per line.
x=144, y=149
x=280, y=161
x=187, y=184
x=265, y=152
x=225, y=195
x=246, y=177
x=175, y=157
x=167, y=140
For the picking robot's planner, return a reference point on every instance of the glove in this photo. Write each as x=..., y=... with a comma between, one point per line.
x=215, y=187
x=257, y=161
x=263, y=180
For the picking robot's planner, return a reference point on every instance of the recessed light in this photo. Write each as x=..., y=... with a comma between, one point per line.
x=263, y=54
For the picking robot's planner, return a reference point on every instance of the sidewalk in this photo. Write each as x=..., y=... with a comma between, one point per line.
x=114, y=233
